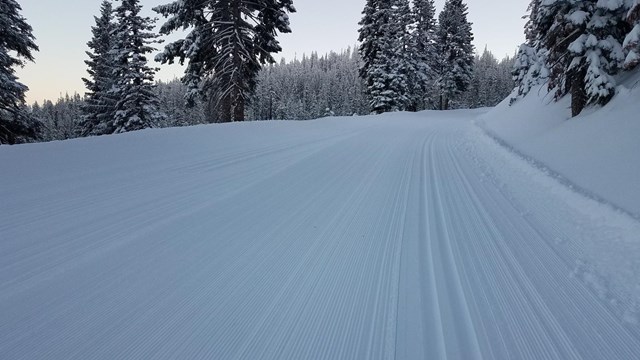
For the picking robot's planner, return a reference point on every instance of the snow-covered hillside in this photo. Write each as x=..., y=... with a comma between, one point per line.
x=400, y=236
x=596, y=151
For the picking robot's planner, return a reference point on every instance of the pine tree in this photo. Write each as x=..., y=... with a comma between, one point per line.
x=531, y=28
x=99, y=107
x=424, y=51
x=598, y=53
x=16, y=46
x=456, y=52
x=632, y=38
x=229, y=43
x=583, y=38
x=136, y=103
x=403, y=65
x=387, y=63
x=530, y=65
x=373, y=48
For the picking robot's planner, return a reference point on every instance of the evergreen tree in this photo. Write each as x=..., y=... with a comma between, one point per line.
x=229, y=43
x=99, y=107
x=531, y=27
x=632, y=38
x=387, y=64
x=375, y=16
x=136, y=103
x=399, y=46
x=583, y=38
x=375, y=20
x=529, y=70
x=597, y=53
x=581, y=44
x=16, y=46
x=456, y=52
x=424, y=52
x=530, y=65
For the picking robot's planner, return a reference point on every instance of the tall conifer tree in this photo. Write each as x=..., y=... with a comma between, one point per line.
x=229, y=43
x=16, y=45
x=136, y=104
x=424, y=52
x=454, y=38
x=632, y=38
x=99, y=107
x=456, y=52
x=385, y=50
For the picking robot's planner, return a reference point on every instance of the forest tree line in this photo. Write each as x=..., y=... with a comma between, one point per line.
x=302, y=89
x=406, y=60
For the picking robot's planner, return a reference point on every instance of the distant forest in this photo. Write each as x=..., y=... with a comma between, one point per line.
x=302, y=89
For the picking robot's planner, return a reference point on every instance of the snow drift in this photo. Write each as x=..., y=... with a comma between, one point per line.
x=596, y=151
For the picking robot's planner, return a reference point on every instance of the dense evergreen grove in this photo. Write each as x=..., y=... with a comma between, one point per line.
x=410, y=61
x=577, y=48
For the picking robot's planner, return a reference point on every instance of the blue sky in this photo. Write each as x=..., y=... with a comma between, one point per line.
x=62, y=29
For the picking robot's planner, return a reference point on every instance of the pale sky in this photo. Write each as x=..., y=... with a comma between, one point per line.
x=63, y=27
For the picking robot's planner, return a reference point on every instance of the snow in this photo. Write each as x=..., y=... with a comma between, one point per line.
x=580, y=149
x=578, y=17
x=578, y=153
x=610, y=4
x=406, y=236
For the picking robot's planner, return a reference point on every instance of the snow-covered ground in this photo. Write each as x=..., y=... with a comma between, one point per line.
x=401, y=236
x=596, y=151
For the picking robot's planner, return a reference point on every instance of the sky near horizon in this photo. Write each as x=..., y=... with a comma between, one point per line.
x=63, y=27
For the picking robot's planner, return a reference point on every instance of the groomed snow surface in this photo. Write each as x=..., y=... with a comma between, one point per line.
x=401, y=236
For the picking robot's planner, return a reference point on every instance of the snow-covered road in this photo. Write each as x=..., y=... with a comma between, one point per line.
x=405, y=236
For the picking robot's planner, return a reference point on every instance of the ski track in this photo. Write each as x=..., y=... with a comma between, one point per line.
x=334, y=239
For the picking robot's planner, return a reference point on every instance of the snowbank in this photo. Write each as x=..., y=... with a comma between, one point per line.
x=596, y=151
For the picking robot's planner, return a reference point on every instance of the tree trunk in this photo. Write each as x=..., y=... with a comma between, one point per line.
x=238, y=108
x=578, y=93
x=237, y=100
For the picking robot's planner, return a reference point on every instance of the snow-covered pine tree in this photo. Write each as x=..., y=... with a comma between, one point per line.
x=136, y=103
x=456, y=52
x=99, y=105
x=562, y=23
x=632, y=39
x=598, y=52
x=384, y=49
x=375, y=46
x=531, y=27
x=399, y=45
x=530, y=65
x=229, y=43
x=584, y=48
x=529, y=70
x=16, y=46
x=424, y=52
x=375, y=18
x=555, y=32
